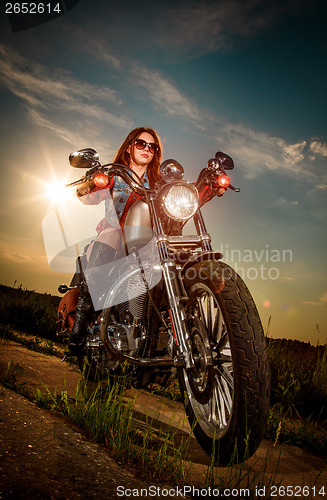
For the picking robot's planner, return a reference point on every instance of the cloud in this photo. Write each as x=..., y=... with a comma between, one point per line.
x=165, y=95
x=47, y=91
x=55, y=99
x=319, y=148
x=64, y=133
x=45, y=87
x=312, y=303
x=51, y=92
x=17, y=257
x=191, y=29
x=257, y=152
x=253, y=151
x=286, y=203
x=98, y=48
x=75, y=135
x=293, y=153
x=322, y=300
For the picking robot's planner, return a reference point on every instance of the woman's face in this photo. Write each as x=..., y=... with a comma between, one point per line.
x=141, y=157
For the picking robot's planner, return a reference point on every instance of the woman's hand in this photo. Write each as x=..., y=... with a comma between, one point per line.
x=84, y=189
x=220, y=191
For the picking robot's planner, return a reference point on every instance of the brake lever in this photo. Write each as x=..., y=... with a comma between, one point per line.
x=237, y=190
x=87, y=176
x=76, y=183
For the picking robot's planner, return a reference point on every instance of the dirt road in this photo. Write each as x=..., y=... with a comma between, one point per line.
x=43, y=456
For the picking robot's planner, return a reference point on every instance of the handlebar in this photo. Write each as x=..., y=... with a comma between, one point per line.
x=207, y=176
x=114, y=169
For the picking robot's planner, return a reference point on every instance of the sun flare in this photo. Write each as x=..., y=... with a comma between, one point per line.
x=57, y=193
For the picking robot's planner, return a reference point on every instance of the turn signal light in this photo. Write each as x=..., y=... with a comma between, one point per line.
x=223, y=180
x=101, y=180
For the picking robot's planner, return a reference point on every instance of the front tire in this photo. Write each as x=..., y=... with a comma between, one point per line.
x=227, y=398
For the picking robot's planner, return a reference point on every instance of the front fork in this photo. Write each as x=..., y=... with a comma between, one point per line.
x=177, y=313
x=174, y=287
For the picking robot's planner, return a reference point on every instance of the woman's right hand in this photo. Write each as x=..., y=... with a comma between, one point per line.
x=84, y=189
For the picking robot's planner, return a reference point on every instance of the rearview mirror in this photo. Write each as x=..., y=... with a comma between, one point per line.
x=171, y=170
x=84, y=158
x=225, y=161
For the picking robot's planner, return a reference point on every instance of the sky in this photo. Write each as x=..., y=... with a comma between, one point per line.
x=244, y=77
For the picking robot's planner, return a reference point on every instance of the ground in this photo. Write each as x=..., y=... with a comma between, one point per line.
x=43, y=456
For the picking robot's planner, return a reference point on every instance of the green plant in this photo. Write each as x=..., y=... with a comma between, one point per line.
x=29, y=311
x=10, y=378
x=108, y=418
x=298, y=378
x=30, y=341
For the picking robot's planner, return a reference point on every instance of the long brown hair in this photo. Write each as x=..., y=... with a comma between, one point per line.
x=122, y=156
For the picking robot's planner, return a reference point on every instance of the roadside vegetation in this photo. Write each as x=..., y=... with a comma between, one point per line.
x=298, y=412
x=29, y=311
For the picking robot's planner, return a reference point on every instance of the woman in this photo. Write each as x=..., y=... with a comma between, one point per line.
x=141, y=153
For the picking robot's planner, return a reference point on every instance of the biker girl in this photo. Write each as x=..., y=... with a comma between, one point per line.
x=141, y=152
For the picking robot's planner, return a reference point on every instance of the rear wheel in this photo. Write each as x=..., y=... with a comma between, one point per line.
x=227, y=394
x=94, y=362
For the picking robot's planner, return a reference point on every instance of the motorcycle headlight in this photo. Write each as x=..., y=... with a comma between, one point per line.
x=180, y=201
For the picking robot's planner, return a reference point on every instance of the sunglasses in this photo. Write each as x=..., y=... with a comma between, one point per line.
x=141, y=144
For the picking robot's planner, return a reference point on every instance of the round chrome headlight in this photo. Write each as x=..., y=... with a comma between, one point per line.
x=180, y=201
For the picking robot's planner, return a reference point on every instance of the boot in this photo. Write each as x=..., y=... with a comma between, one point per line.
x=84, y=310
x=101, y=254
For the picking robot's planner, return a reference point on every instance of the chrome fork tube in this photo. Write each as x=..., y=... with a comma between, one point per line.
x=202, y=231
x=170, y=275
x=177, y=314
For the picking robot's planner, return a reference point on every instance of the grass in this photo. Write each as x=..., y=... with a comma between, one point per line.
x=32, y=342
x=298, y=378
x=298, y=412
x=308, y=434
x=150, y=448
x=108, y=418
x=10, y=378
x=29, y=311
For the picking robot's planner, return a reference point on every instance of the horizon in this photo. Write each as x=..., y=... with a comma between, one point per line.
x=58, y=295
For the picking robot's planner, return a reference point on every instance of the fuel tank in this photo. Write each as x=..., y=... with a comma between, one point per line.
x=138, y=228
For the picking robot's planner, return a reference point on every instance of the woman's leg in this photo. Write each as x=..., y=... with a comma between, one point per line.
x=111, y=237
x=99, y=254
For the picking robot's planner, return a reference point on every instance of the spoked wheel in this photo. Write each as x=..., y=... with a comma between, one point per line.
x=227, y=394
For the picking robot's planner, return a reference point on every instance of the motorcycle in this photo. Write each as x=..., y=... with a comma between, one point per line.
x=171, y=307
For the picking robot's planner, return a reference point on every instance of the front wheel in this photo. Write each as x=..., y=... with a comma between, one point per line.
x=226, y=396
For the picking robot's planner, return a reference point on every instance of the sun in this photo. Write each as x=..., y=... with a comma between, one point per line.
x=57, y=193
